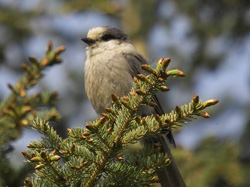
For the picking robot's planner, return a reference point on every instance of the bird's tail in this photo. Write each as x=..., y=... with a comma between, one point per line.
x=169, y=176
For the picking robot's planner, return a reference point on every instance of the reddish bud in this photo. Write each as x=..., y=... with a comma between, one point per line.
x=59, y=50
x=161, y=79
x=36, y=159
x=204, y=114
x=135, y=80
x=40, y=166
x=119, y=158
x=45, y=62
x=195, y=99
x=210, y=102
x=90, y=126
x=140, y=92
x=164, y=88
x=26, y=155
x=86, y=133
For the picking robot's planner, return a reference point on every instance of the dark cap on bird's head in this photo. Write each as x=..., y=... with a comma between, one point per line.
x=102, y=34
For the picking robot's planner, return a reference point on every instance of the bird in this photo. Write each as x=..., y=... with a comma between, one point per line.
x=112, y=62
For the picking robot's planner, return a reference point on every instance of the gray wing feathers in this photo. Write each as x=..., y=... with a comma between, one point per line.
x=135, y=61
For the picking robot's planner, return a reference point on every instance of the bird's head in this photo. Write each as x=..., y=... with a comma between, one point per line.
x=104, y=34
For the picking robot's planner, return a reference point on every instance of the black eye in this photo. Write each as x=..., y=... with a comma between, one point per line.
x=108, y=37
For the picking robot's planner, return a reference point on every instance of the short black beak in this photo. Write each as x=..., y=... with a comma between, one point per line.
x=88, y=41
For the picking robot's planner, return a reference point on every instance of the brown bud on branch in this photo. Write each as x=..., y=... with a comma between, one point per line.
x=195, y=99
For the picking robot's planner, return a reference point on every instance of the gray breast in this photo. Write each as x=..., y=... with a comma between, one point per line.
x=106, y=74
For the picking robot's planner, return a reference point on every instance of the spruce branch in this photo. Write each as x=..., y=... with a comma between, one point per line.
x=100, y=155
x=177, y=117
x=51, y=139
x=19, y=108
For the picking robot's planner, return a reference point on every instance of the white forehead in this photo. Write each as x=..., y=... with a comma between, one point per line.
x=96, y=32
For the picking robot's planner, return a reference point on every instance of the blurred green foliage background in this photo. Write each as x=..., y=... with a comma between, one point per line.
x=208, y=40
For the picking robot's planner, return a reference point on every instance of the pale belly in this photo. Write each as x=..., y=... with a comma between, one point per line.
x=103, y=80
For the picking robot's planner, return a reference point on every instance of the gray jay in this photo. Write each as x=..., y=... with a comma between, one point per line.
x=112, y=63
